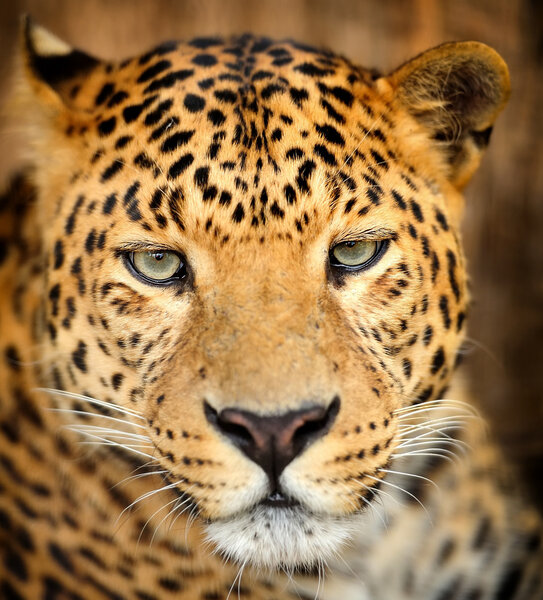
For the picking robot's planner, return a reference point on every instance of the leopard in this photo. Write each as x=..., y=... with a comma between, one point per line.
x=233, y=308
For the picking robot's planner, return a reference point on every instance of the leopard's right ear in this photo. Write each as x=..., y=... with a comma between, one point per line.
x=52, y=67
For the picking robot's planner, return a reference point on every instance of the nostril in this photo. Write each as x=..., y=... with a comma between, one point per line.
x=316, y=427
x=237, y=432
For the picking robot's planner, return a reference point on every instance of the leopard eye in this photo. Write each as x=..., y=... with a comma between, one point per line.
x=157, y=266
x=356, y=255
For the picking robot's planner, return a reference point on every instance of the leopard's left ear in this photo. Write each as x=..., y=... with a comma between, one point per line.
x=51, y=66
x=456, y=91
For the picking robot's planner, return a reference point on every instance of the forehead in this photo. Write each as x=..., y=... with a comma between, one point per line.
x=259, y=134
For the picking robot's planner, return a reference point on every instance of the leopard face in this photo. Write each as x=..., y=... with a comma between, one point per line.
x=252, y=249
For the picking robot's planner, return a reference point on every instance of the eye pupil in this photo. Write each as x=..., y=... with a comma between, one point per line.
x=157, y=255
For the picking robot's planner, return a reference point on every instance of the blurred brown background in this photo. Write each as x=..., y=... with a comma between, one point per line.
x=504, y=221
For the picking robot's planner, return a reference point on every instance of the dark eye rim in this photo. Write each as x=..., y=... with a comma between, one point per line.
x=179, y=275
x=381, y=248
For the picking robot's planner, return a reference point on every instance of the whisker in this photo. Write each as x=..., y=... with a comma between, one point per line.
x=95, y=401
x=147, y=495
x=411, y=475
x=151, y=518
x=404, y=491
x=139, y=476
x=83, y=428
x=439, y=453
x=95, y=416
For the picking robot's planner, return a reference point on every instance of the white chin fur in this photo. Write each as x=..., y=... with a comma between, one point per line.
x=272, y=538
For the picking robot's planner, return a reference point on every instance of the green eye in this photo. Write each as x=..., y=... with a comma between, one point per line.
x=159, y=266
x=356, y=255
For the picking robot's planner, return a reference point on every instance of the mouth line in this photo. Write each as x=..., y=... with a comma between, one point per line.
x=278, y=500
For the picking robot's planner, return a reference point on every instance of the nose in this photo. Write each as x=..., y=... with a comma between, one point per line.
x=272, y=442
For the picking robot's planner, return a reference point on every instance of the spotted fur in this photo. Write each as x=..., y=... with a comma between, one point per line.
x=132, y=413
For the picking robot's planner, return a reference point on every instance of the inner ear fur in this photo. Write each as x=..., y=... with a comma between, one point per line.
x=456, y=91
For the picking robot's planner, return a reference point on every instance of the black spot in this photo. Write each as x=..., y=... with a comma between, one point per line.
x=424, y=395
x=304, y=173
x=106, y=127
x=509, y=582
x=349, y=205
x=61, y=557
x=339, y=93
x=205, y=84
x=332, y=112
x=109, y=204
x=156, y=115
x=168, y=80
x=238, y=214
x=438, y=360
x=180, y=166
x=210, y=193
x=294, y=154
x=290, y=194
x=427, y=336
x=227, y=96
x=131, y=113
x=54, y=295
x=154, y=70
x=205, y=42
x=116, y=380
x=298, y=95
x=312, y=70
x=90, y=241
x=204, y=60
x=406, y=365
x=122, y=142
x=15, y=564
x=416, y=210
x=58, y=253
x=216, y=117
x=177, y=140
x=460, y=320
x=277, y=211
x=276, y=135
x=70, y=221
x=194, y=103
x=270, y=90
x=225, y=198
x=441, y=219
x=373, y=196
x=172, y=585
x=79, y=357
x=104, y=93
x=201, y=177
x=323, y=153
x=330, y=134
x=8, y=592
x=451, y=259
x=161, y=129
x=444, y=308
x=117, y=98
x=379, y=160
x=113, y=169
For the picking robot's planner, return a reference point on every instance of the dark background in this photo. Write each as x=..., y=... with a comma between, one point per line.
x=503, y=228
